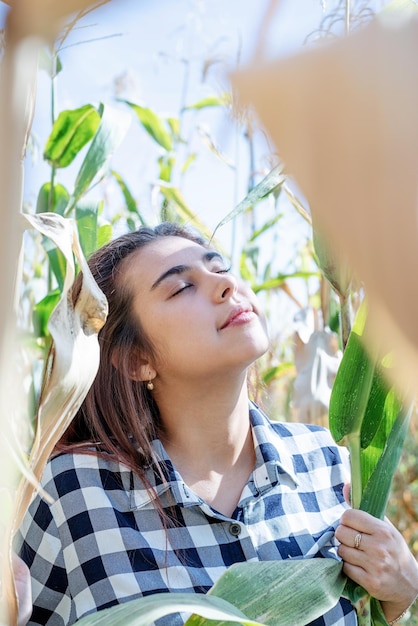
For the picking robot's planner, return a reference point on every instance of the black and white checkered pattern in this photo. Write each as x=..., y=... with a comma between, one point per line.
x=102, y=541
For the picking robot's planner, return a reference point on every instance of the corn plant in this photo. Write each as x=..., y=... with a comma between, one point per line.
x=367, y=416
x=248, y=593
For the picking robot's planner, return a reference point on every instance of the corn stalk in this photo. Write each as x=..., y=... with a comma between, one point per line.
x=18, y=80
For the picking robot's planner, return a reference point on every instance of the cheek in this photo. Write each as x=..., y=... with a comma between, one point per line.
x=173, y=332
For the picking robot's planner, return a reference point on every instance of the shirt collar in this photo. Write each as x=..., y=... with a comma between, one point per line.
x=162, y=477
x=273, y=463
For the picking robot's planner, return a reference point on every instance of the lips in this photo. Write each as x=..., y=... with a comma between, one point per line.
x=239, y=315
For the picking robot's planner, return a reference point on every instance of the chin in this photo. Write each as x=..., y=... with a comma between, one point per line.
x=257, y=348
x=262, y=351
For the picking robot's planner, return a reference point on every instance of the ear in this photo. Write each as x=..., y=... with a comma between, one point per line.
x=138, y=367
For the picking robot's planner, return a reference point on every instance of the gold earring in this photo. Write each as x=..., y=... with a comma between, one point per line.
x=150, y=385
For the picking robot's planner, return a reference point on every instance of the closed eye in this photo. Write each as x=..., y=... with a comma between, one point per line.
x=176, y=293
x=224, y=270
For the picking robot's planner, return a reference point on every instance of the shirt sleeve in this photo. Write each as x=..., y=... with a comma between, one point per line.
x=79, y=548
x=39, y=545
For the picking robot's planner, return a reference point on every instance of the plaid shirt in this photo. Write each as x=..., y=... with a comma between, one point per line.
x=102, y=541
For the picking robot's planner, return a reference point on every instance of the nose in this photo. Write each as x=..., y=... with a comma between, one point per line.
x=226, y=285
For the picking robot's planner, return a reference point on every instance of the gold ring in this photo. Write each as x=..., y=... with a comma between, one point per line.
x=357, y=541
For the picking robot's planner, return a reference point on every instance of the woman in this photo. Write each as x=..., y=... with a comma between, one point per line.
x=168, y=474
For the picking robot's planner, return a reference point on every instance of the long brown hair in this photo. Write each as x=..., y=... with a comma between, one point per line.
x=119, y=415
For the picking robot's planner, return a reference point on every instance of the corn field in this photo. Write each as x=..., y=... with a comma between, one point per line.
x=323, y=284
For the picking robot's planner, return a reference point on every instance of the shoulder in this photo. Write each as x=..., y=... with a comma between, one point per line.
x=312, y=447
x=78, y=480
x=74, y=470
x=290, y=430
x=296, y=430
x=308, y=437
x=305, y=440
x=78, y=491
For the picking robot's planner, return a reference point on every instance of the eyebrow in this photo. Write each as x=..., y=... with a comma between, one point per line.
x=180, y=269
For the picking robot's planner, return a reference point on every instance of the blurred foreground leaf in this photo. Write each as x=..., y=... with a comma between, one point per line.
x=144, y=611
x=277, y=593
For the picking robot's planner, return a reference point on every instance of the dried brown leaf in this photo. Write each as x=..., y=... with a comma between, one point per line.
x=72, y=366
x=344, y=118
x=43, y=18
x=74, y=357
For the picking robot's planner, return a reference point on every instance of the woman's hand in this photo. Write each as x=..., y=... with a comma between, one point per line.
x=377, y=557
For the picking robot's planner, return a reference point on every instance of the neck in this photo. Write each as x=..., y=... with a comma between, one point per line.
x=210, y=443
x=202, y=419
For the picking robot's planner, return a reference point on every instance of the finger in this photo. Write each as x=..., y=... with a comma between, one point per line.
x=376, y=533
x=354, y=556
x=359, y=575
x=352, y=537
x=361, y=521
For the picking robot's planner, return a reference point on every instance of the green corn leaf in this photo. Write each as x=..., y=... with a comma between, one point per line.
x=72, y=130
x=375, y=408
x=248, y=267
x=376, y=492
x=278, y=593
x=278, y=281
x=175, y=197
x=273, y=373
x=188, y=162
x=166, y=163
x=369, y=610
x=144, y=611
x=112, y=129
x=57, y=262
x=352, y=385
x=268, y=185
x=209, y=101
x=54, y=202
x=371, y=453
x=349, y=399
x=155, y=125
x=367, y=415
x=86, y=215
x=130, y=201
x=265, y=227
x=42, y=311
x=174, y=125
x=104, y=234
x=378, y=617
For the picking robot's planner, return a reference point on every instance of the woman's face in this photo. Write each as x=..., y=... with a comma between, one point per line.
x=201, y=320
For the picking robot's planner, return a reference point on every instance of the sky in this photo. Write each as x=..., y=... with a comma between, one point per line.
x=142, y=50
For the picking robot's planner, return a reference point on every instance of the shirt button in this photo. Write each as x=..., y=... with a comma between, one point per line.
x=235, y=529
